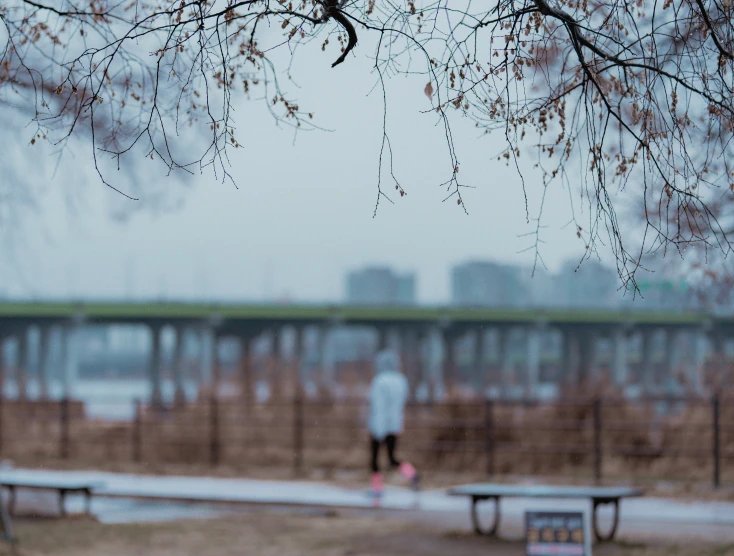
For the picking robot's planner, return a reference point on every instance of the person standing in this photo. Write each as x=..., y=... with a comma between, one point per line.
x=388, y=395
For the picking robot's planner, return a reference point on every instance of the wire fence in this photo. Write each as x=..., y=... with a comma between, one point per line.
x=596, y=439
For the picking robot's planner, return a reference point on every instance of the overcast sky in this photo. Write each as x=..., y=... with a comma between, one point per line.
x=301, y=217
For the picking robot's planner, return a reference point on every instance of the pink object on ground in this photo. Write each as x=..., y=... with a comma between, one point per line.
x=376, y=483
x=407, y=470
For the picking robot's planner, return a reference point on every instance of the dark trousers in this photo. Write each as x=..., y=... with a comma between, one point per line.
x=390, y=442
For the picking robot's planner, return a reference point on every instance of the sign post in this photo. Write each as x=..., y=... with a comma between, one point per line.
x=549, y=533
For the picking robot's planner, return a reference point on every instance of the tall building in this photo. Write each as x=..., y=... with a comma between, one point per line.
x=380, y=286
x=589, y=285
x=487, y=284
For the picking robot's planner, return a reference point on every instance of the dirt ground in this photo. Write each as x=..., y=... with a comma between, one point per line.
x=270, y=533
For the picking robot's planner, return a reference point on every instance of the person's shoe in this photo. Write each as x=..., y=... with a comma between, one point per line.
x=407, y=471
x=415, y=482
x=376, y=485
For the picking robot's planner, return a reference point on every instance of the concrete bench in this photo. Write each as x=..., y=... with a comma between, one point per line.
x=63, y=487
x=598, y=495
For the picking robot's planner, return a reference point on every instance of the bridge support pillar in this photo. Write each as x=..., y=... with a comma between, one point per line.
x=389, y=337
x=65, y=356
x=23, y=359
x=578, y=357
x=570, y=357
x=450, y=379
x=533, y=353
x=669, y=374
x=697, y=361
x=718, y=356
x=424, y=356
x=3, y=366
x=179, y=395
x=206, y=360
x=154, y=366
x=71, y=344
x=504, y=359
x=619, y=357
x=647, y=377
x=247, y=387
x=285, y=378
x=587, y=358
x=434, y=365
x=409, y=346
x=326, y=380
x=480, y=376
x=299, y=355
x=44, y=351
x=278, y=363
x=383, y=338
x=213, y=347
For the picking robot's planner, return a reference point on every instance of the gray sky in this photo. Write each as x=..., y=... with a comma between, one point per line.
x=302, y=215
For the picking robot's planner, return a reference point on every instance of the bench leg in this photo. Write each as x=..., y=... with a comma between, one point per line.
x=11, y=502
x=615, y=520
x=6, y=522
x=62, y=505
x=88, y=502
x=492, y=531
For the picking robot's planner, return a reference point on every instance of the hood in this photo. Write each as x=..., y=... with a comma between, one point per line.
x=387, y=361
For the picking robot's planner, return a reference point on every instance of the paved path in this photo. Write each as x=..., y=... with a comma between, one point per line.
x=216, y=490
x=638, y=515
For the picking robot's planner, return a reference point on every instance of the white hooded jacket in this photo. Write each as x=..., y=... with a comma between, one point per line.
x=388, y=394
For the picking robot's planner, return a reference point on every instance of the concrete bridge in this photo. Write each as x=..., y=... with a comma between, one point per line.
x=510, y=350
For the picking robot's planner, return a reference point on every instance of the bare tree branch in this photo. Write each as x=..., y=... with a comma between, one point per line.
x=637, y=97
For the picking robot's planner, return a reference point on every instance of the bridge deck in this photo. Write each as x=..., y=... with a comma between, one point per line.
x=106, y=312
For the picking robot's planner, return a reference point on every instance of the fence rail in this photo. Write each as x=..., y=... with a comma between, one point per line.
x=600, y=439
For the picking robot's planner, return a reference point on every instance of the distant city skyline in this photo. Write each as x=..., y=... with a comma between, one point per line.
x=571, y=286
x=487, y=283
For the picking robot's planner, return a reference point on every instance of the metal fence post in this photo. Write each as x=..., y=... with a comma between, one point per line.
x=716, y=440
x=2, y=391
x=597, y=441
x=214, y=431
x=2, y=403
x=3, y=377
x=489, y=435
x=137, y=432
x=64, y=438
x=297, y=433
